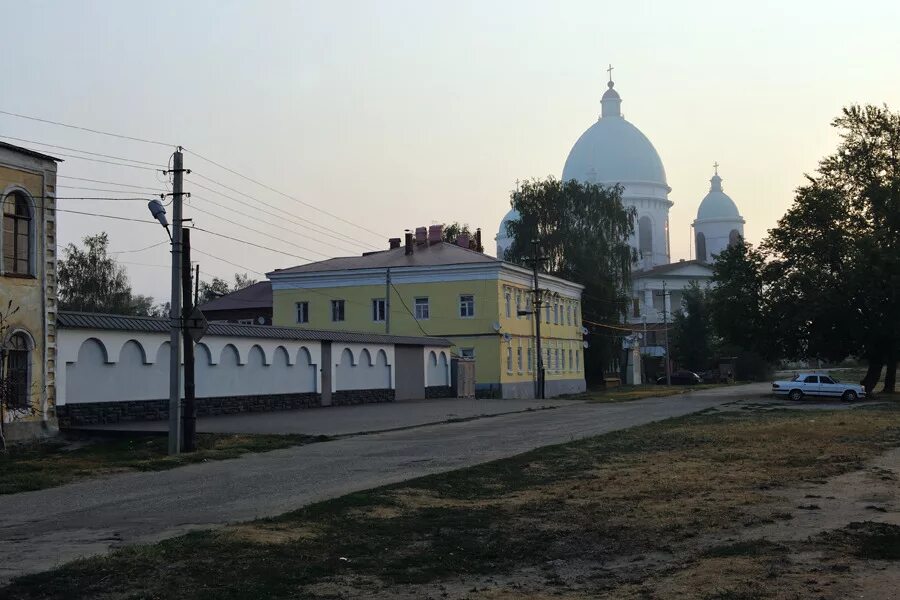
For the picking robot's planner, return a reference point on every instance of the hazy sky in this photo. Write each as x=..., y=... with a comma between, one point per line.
x=398, y=114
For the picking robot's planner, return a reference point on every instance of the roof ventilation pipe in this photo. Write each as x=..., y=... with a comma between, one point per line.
x=409, y=242
x=435, y=234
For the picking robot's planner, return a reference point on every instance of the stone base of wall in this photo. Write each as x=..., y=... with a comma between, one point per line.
x=27, y=431
x=98, y=413
x=349, y=397
x=559, y=387
x=439, y=391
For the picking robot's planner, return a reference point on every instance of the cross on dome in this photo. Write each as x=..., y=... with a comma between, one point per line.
x=716, y=167
x=610, y=70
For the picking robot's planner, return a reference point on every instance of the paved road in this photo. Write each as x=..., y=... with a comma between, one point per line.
x=344, y=420
x=39, y=530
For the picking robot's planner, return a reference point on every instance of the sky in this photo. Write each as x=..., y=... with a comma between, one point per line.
x=390, y=115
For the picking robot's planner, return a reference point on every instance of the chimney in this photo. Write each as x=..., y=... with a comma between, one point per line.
x=478, y=246
x=435, y=234
x=394, y=243
x=421, y=235
x=463, y=240
x=409, y=242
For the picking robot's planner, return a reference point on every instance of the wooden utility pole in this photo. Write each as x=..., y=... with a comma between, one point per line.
x=190, y=407
x=665, y=296
x=535, y=260
x=175, y=306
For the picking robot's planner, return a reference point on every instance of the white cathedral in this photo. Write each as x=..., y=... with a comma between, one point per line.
x=613, y=151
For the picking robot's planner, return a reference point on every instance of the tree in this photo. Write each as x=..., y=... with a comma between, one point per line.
x=583, y=231
x=454, y=230
x=834, y=266
x=691, y=332
x=219, y=287
x=736, y=298
x=92, y=281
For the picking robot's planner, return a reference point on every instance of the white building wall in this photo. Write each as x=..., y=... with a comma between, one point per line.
x=437, y=367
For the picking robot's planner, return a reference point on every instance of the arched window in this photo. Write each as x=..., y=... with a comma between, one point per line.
x=645, y=237
x=18, y=351
x=701, y=247
x=17, y=234
x=734, y=238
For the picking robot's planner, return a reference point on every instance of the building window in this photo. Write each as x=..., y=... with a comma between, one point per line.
x=518, y=304
x=379, y=309
x=508, y=304
x=701, y=247
x=509, y=359
x=635, y=307
x=568, y=314
x=645, y=237
x=519, y=358
x=467, y=352
x=337, y=310
x=555, y=313
x=17, y=361
x=547, y=306
x=578, y=360
x=17, y=234
x=571, y=364
x=466, y=306
x=530, y=359
x=303, y=312
x=528, y=307
x=422, y=311
x=734, y=238
x=575, y=310
x=563, y=360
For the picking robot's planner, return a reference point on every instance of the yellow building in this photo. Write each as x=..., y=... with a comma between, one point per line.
x=28, y=285
x=448, y=291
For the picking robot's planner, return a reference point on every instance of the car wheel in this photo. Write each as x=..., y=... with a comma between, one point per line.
x=849, y=396
x=796, y=395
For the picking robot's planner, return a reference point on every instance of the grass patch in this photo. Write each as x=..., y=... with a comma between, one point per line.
x=629, y=493
x=51, y=463
x=879, y=541
x=637, y=392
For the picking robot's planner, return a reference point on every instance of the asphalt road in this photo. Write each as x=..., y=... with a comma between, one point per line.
x=43, y=529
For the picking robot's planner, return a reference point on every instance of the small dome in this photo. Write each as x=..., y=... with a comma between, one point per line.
x=512, y=215
x=612, y=150
x=717, y=204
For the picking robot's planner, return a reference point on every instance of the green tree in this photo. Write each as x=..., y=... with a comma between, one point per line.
x=454, y=230
x=241, y=281
x=583, y=232
x=736, y=298
x=92, y=281
x=834, y=257
x=213, y=289
x=691, y=332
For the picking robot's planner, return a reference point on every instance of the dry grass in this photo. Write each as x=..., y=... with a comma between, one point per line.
x=643, y=513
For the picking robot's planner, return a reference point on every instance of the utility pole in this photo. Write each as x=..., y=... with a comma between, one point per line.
x=665, y=296
x=197, y=285
x=538, y=300
x=190, y=407
x=175, y=308
x=387, y=302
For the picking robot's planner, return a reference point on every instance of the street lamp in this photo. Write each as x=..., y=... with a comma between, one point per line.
x=159, y=213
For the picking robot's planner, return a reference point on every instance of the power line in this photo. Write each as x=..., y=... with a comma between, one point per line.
x=403, y=302
x=78, y=212
x=213, y=256
x=93, y=189
x=279, y=192
x=108, y=162
x=249, y=216
x=338, y=236
x=140, y=162
x=241, y=225
x=140, y=249
x=128, y=185
x=234, y=239
x=88, y=129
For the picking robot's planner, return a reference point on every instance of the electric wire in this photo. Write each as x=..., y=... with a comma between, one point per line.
x=263, y=233
x=140, y=162
x=97, y=131
x=279, y=192
x=128, y=185
x=141, y=249
x=108, y=162
x=93, y=189
x=249, y=216
x=337, y=235
x=234, y=239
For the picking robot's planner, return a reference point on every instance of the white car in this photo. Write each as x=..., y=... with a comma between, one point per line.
x=818, y=384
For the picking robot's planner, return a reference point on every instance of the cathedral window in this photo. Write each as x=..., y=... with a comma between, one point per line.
x=734, y=237
x=645, y=237
x=701, y=247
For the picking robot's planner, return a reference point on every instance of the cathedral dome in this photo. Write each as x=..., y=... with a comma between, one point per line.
x=612, y=150
x=717, y=204
x=503, y=239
